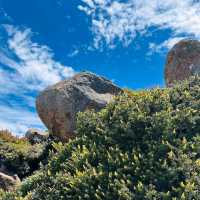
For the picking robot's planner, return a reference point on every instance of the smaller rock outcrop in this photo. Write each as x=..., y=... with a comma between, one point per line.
x=8, y=183
x=183, y=60
x=36, y=136
x=59, y=104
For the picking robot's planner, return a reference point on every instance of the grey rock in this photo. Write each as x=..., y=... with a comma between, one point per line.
x=36, y=136
x=183, y=61
x=9, y=183
x=59, y=104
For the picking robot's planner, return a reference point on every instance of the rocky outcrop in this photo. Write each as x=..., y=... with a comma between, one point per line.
x=36, y=136
x=8, y=183
x=59, y=104
x=183, y=61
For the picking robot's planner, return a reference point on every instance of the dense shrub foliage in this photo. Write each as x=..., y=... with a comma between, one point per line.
x=145, y=145
x=18, y=156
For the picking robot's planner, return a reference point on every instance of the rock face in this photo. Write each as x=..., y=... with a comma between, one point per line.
x=36, y=136
x=58, y=105
x=8, y=183
x=183, y=61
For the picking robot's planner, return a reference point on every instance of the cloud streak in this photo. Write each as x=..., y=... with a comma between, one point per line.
x=18, y=119
x=164, y=46
x=36, y=64
x=26, y=68
x=114, y=20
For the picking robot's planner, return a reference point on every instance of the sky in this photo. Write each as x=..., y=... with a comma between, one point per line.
x=44, y=42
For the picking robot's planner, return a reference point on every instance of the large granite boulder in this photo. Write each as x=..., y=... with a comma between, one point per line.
x=7, y=182
x=183, y=60
x=59, y=104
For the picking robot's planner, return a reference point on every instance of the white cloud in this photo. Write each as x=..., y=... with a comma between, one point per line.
x=116, y=20
x=37, y=66
x=166, y=45
x=17, y=119
x=73, y=53
x=26, y=68
x=4, y=15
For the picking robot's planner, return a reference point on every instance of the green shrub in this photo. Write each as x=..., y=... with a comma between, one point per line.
x=18, y=156
x=144, y=145
x=8, y=195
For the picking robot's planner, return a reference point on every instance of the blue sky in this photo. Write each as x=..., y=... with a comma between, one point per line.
x=43, y=42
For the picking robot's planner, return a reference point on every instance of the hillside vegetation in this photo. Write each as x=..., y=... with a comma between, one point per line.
x=144, y=146
x=18, y=156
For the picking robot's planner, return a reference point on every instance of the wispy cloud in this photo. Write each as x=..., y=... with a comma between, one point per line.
x=26, y=68
x=18, y=119
x=75, y=52
x=114, y=20
x=36, y=64
x=4, y=16
x=164, y=46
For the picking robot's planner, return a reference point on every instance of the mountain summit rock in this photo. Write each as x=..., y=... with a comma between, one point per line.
x=183, y=60
x=59, y=104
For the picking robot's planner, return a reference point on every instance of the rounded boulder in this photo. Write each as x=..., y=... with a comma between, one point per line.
x=36, y=136
x=183, y=61
x=59, y=104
